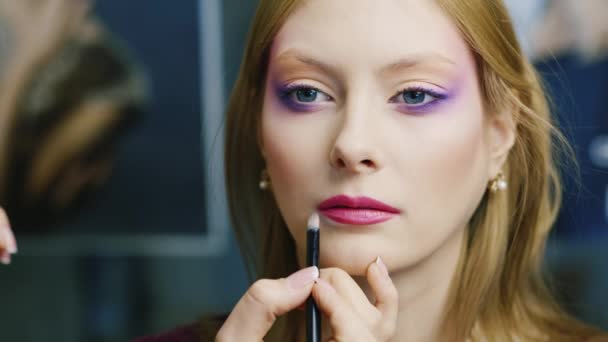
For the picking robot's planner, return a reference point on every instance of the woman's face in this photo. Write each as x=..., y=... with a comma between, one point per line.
x=377, y=99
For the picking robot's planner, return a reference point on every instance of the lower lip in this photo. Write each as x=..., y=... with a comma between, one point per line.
x=357, y=216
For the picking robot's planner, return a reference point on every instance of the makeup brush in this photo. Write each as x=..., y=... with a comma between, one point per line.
x=313, y=316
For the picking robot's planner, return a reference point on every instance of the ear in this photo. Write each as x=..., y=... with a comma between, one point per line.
x=501, y=137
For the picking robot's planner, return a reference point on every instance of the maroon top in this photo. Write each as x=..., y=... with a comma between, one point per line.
x=186, y=333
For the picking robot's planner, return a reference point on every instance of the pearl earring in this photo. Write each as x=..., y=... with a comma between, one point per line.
x=264, y=180
x=499, y=183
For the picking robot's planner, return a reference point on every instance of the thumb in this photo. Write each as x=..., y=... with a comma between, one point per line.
x=264, y=301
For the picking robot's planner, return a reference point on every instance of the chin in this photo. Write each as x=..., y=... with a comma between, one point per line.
x=354, y=254
x=352, y=258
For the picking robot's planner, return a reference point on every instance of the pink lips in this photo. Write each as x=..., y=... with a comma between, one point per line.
x=356, y=210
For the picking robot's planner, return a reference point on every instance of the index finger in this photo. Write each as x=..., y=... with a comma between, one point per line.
x=264, y=301
x=345, y=324
x=387, y=297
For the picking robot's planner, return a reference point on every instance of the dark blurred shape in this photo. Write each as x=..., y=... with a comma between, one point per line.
x=69, y=122
x=158, y=184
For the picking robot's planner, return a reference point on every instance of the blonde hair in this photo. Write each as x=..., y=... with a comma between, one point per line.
x=498, y=293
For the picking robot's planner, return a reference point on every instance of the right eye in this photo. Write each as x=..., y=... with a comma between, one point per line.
x=305, y=94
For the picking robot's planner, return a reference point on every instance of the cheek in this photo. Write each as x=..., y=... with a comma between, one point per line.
x=450, y=169
x=293, y=150
x=452, y=160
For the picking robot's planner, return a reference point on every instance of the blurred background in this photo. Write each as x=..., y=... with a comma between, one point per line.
x=111, y=171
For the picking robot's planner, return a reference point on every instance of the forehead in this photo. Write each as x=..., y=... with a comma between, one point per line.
x=366, y=33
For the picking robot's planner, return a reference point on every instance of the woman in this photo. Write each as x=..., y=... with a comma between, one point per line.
x=427, y=107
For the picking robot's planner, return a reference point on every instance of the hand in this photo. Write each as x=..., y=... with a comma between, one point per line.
x=352, y=317
x=8, y=245
x=40, y=27
x=350, y=314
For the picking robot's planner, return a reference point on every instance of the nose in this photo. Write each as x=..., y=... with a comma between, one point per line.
x=354, y=149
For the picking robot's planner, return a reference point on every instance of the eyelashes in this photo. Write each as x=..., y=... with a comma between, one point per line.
x=418, y=96
x=301, y=98
x=418, y=99
x=307, y=98
x=302, y=93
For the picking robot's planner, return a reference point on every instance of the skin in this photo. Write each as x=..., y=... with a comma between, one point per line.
x=8, y=245
x=358, y=137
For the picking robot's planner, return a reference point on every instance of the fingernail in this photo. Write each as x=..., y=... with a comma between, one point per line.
x=11, y=244
x=382, y=266
x=13, y=247
x=303, y=277
x=5, y=238
x=5, y=259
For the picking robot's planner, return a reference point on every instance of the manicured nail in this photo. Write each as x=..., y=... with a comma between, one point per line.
x=12, y=244
x=9, y=239
x=5, y=238
x=5, y=259
x=303, y=277
x=382, y=266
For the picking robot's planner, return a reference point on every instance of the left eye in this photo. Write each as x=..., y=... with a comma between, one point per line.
x=416, y=97
x=307, y=95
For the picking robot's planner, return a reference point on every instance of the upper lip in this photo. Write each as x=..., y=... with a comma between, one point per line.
x=361, y=202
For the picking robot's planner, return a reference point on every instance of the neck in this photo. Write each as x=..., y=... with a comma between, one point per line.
x=423, y=293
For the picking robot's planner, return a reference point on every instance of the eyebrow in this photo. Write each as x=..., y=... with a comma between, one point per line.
x=411, y=61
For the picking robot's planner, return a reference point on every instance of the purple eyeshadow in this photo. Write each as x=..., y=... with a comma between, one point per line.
x=422, y=109
x=284, y=93
x=439, y=98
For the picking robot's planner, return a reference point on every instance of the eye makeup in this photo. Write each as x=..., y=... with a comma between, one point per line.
x=417, y=96
x=298, y=97
x=415, y=99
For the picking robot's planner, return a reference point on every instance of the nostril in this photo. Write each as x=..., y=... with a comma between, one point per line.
x=341, y=163
x=368, y=163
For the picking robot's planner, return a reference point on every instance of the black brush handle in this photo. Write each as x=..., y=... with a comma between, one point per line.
x=313, y=316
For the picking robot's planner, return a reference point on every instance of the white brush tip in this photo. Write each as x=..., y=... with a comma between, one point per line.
x=313, y=221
